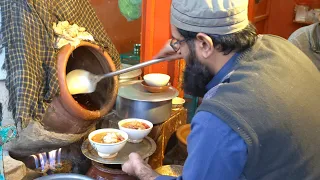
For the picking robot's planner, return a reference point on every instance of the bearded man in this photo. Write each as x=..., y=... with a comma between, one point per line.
x=259, y=118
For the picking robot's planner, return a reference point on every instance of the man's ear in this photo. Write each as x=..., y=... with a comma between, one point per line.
x=204, y=44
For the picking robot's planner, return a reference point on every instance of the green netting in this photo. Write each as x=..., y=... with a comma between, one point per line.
x=130, y=9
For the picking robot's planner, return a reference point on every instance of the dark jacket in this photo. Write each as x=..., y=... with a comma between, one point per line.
x=272, y=100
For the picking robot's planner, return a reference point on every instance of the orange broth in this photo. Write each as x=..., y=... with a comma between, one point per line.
x=99, y=137
x=136, y=125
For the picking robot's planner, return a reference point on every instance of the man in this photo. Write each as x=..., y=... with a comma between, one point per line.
x=307, y=39
x=259, y=118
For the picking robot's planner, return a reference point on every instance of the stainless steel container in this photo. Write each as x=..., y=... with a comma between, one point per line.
x=65, y=177
x=133, y=101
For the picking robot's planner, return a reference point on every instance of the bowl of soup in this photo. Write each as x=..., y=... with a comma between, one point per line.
x=108, y=142
x=137, y=129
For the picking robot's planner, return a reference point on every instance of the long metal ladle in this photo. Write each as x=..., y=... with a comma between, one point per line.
x=80, y=81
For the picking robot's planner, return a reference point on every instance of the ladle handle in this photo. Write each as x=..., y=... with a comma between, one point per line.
x=138, y=66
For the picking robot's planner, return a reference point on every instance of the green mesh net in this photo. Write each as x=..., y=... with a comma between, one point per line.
x=130, y=9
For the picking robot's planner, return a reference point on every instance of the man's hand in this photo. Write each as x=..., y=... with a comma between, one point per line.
x=137, y=167
x=165, y=51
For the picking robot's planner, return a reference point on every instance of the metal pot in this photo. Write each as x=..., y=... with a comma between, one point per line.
x=133, y=101
x=65, y=177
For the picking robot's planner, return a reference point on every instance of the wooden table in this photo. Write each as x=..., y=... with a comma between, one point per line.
x=161, y=134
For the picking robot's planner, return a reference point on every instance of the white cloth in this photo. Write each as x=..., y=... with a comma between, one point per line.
x=70, y=34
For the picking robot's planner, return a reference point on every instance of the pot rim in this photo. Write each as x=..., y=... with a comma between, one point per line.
x=104, y=169
x=67, y=101
x=180, y=131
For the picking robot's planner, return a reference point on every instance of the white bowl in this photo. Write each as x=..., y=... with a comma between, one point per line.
x=156, y=79
x=108, y=150
x=135, y=135
x=177, y=102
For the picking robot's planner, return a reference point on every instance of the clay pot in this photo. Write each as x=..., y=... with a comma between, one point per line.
x=74, y=114
x=182, y=135
x=105, y=172
x=170, y=170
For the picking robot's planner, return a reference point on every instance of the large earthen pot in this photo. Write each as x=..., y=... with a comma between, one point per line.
x=74, y=114
x=104, y=172
x=182, y=135
x=68, y=118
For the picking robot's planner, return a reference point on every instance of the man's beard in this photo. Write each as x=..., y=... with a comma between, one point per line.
x=196, y=76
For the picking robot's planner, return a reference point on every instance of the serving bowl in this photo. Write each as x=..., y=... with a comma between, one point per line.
x=108, y=150
x=156, y=79
x=177, y=102
x=155, y=89
x=135, y=135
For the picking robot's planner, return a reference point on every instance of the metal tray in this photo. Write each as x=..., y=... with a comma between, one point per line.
x=145, y=149
x=133, y=90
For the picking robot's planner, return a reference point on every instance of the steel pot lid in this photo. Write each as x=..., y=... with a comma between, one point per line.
x=131, y=74
x=133, y=90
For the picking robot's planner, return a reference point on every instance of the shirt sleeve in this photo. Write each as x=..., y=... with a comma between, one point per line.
x=299, y=36
x=215, y=151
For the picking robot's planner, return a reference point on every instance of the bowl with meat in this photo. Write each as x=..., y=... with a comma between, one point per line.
x=108, y=142
x=137, y=129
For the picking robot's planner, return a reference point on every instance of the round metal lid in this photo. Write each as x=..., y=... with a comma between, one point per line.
x=134, y=90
